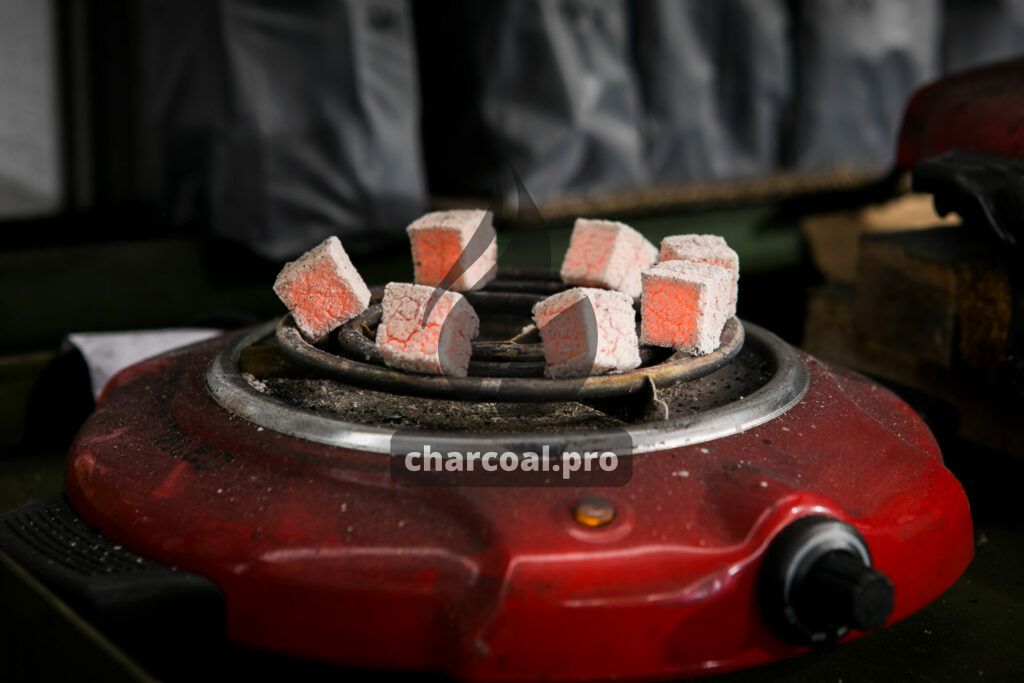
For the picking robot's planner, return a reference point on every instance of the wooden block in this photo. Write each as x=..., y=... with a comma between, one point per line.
x=938, y=297
x=906, y=294
x=832, y=238
x=984, y=311
x=828, y=328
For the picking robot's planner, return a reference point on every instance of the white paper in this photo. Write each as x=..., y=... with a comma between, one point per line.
x=106, y=353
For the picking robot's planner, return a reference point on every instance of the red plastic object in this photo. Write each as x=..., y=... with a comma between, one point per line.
x=320, y=555
x=980, y=110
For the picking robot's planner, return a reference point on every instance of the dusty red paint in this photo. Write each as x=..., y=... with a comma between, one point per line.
x=320, y=555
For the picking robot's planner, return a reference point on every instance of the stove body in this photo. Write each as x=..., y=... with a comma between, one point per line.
x=294, y=516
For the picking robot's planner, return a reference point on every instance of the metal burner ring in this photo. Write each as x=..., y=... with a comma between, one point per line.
x=787, y=386
x=490, y=358
x=676, y=368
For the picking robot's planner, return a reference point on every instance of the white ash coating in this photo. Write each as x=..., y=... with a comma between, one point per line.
x=708, y=249
x=465, y=223
x=607, y=254
x=587, y=331
x=714, y=286
x=319, y=305
x=440, y=346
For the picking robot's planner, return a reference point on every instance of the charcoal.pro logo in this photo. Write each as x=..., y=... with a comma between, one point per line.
x=424, y=460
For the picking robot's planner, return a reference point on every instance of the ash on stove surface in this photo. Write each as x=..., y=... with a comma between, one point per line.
x=749, y=371
x=376, y=408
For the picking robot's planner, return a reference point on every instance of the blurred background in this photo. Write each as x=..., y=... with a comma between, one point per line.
x=259, y=127
x=273, y=124
x=160, y=160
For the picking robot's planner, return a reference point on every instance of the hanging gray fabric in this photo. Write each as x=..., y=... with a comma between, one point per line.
x=559, y=94
x=859, y=62
x=281, y=123
x=981, y=31
x=716, y=79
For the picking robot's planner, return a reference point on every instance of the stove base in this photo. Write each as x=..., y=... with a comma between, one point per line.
x=319, y=554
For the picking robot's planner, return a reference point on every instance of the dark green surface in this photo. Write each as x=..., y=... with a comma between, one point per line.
x=45, y=293
x=26, y=478
x=18, y=375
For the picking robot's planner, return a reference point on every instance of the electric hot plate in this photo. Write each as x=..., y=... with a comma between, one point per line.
x=245, y=484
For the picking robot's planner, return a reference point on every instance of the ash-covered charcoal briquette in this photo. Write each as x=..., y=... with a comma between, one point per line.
x=607, y=254
x=463, y=240
x=322, y=289
x=711, y=250
x=439, y=345
x=587, y=331
x=685, y=305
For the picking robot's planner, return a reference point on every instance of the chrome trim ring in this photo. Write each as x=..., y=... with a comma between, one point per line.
x=784, y=390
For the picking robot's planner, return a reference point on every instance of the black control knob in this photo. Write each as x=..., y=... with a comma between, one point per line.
x=817, y=583
x=840, y=590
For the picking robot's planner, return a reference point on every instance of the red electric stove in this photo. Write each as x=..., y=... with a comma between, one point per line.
x=245, y=483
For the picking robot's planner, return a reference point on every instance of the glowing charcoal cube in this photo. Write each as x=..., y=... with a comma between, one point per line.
x=439, y=345
x=587, y=331
x=607, y=254
x=460, y=244
x=685, y=305
x=709, y=249
x=322, y=289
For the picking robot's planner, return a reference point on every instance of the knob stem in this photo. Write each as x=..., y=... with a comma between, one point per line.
x=840, y=590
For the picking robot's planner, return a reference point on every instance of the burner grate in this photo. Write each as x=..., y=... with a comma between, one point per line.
x=750, y=370
x=341, y=394
x=252, y=379
x=500, y=369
